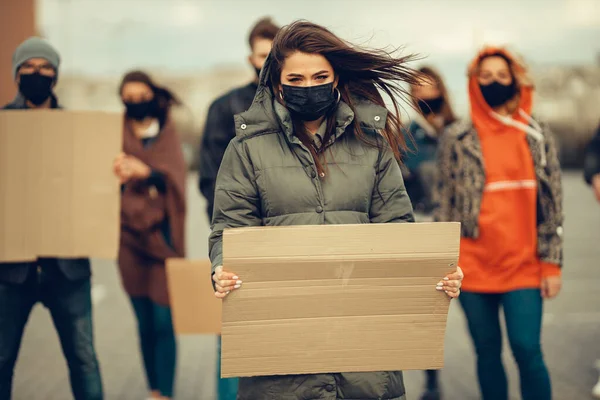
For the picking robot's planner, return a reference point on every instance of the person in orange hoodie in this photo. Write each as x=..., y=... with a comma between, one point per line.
x=499, y=175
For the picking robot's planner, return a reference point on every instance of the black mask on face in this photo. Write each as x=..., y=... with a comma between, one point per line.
x=36, y=87
x=496, y=94
x=309, y=103
x=431, y=105
x=142, y=110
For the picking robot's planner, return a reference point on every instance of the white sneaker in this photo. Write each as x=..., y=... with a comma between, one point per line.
x=596, y=389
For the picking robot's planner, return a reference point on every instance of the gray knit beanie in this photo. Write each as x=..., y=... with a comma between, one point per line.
x=35, y=47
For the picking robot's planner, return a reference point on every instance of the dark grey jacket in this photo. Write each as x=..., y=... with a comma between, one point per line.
x=591, y=161
x=219, y=130
x=73, y=269
x=268, y=177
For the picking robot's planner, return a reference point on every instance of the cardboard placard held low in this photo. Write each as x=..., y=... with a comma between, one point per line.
x=195, y=308
x=337, y=298
x=58, y=194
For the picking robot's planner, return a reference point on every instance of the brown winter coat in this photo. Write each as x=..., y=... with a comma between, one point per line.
x=145, y=211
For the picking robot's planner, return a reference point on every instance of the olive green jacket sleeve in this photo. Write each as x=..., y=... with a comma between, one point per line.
x=237, y=203
x=389, y=202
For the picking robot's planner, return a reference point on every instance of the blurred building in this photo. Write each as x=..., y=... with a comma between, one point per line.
x=569, y=100
x=17, y=23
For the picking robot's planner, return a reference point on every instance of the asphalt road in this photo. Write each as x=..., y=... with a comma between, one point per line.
x=571, y=336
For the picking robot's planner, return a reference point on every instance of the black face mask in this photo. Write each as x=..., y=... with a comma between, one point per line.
x=36, y=87
x=309, y=103
x=431, y=105
x=142, y=110
x=496, y=94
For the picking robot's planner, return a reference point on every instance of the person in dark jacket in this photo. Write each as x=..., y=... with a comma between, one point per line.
x=431, y=99
x=591, y=164
x=316, y=147
x=62, y=285
x=591, y=173
x=218, y=132
x=219, y=128
x=153, y=205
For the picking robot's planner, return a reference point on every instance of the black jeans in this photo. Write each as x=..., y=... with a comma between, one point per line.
x=70, y=305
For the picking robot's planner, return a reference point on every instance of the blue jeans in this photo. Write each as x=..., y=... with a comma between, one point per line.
x=70, y=305
x=523, y=315
x=227, y=388
x=157, y=343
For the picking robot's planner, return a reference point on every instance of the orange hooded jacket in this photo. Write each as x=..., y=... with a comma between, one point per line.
x=504, y=256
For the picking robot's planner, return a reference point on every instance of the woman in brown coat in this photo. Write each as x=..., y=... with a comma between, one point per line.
x=152, y=172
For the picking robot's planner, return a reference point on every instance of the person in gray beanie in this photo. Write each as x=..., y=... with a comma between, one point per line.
x=35, y=71
x=62, y=285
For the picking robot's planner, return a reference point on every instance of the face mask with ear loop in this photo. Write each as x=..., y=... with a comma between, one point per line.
x=309, y=103
x=36, y=88
x=496, y=94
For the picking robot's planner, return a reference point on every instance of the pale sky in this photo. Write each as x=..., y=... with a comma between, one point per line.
x=107, y=37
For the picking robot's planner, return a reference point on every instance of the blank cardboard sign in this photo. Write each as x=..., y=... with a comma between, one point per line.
x=336, y=298
x=58, y=194
x=195, y=308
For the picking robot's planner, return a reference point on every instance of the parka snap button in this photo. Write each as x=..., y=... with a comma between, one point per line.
x=243, y=126
x=377, y=118
x=319, y=209
x=329, y=388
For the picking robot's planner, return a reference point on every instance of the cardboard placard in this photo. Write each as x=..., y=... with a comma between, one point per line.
x=58, y=194
x=194, y=306
x=337, y=298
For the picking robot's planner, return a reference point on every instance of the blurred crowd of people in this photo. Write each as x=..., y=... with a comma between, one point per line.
x=267, y=158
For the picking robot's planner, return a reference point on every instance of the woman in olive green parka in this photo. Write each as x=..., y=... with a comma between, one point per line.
x=317, y=146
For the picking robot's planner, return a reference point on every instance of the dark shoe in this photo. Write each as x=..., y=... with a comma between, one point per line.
x=431, y=395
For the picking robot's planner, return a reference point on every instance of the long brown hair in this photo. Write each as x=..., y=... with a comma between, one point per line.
x=429, y=73
x=362, y=74
x=165, y=98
